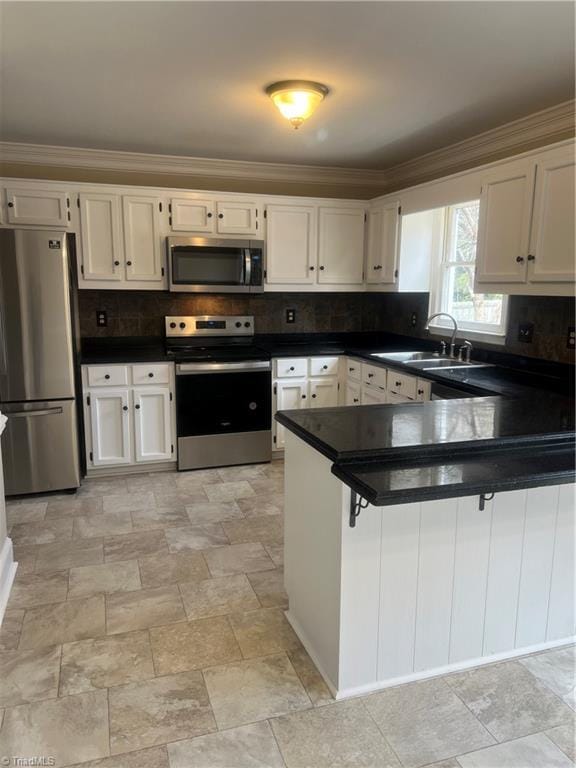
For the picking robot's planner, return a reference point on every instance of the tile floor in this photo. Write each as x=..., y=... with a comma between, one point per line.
x=146, y=630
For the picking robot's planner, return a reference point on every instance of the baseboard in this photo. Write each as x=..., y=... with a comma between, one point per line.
x=7, y=573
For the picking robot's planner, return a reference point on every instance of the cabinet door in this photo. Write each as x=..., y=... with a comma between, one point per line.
x=290, y=395
x=152, y=424
x=383, y=244
x=552, y=246
x=237, y=218
x=291, y=244
x=504, y=227
x=341, y=246
x=100, y=232
x=110, y=422
x=372, y=396
x=353, y=395
x=142, y=242
x=323, y=393
x=190, y=215
x=43, y=207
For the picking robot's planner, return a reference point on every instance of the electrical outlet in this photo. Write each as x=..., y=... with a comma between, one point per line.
x=290, y=315
x=413, y=319
x=526, y=332
x=101, y=318
x=571, y=338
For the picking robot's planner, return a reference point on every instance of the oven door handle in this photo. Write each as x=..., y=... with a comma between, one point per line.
x=247, y=266
x=189, y=369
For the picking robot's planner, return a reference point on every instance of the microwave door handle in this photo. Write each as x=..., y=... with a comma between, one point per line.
x=247, y=266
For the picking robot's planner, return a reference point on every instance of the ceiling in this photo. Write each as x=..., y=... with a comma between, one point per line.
x=186, y=78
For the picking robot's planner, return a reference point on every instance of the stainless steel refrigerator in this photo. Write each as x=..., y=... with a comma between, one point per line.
x=37, y=362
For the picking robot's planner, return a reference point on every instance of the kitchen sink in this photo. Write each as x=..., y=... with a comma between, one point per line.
x=406, y=357
x=444, y=363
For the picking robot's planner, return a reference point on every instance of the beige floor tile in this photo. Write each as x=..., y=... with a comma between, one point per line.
x=30, y=589
x=263, y=632
x=104, y=578
x=103, y=524
x=104, y=662
x=25, y=555
x=310, y=678
x=247, y=691
x=160, y=570
x=156, y=482
x=160, y=710
x=197, y=478
x=238, y=558
x=159, y=517
x=564, y=736
x=276, y=553
x=218, y=597
x=536, y=751
x=69, y=730
x=341, y=734
x=262, y=504
x=63, y=622
x=155, y=757
x=67, y=554
x=213, y=512
x=193, y=645
x=127, y=611
x=229, y=491
x=88, y=505
x=102, y=486
x=32, y=512
x=557, y=670
x=274, y=485
x=131, y=546
x=28, y=676
x=235, y=474
x=195, y=537
x=44, y=532
x=181, y=497
x=425, y=722
x=127, y=502
x=250, y=746
x=10, y=628
x=509, y=700
x=269, y=587
x=268, y=530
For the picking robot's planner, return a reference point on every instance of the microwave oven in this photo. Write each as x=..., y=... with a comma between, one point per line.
x=215, y=265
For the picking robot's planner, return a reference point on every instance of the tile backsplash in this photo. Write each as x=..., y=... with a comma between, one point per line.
x=141, y=313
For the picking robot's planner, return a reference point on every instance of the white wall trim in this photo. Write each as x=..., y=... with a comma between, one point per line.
x=7, y=573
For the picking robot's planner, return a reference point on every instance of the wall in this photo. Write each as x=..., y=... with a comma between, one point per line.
x=133, y=313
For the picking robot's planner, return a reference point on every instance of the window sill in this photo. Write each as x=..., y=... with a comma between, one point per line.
x=498, y=339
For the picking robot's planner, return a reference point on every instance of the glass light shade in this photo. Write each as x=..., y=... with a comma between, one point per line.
x=297, y=99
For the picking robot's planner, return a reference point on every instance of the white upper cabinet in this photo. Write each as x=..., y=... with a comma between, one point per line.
x=291, y=244
x=192, y=215
x=142, y=239
x=341, y=246
x=383, y=240
x=504, y=224
x=235, y=217
x=552, y=246
x=101, y=237
x=39, y=207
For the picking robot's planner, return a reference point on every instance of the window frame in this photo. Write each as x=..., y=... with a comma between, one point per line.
x=441, y=267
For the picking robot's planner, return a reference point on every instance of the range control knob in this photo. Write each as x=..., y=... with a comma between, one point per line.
x=182, y=325
x=246, y=325
x=172, y=325
x=238, y=324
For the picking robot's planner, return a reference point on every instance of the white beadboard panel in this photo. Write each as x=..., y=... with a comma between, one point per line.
x=536, y=573
x=473, y=529
x=504, y=567
x=399, y=584
x=435, y=583
x=359, y=595
x=561, y=610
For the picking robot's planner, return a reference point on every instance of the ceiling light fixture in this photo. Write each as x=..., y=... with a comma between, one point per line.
x=297, y=99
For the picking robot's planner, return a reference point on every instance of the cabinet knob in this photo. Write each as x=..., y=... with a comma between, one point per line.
x=355, y=399
x=322, y=269
x=313, y=396
x=519, y=259
x=10, y=205
x=291, y=368
x=311, y=269
x=324, y=367
x=398, y=384
x=220, y=215
x=420, y=391
x=209, y=215
x=128, y=263
x=370, y=375
x=351, y=370
x=124, y=407
x=151, y=375
x=303, y=397
x=137, y=407
x=172, y=325
x=531, y=257
x=116, y=263
x=106, y=375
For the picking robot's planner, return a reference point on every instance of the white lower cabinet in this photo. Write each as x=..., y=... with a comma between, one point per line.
x=289, y=395
x=373, y=395
x=323, y=393
x=353, y=392
x=129, y=425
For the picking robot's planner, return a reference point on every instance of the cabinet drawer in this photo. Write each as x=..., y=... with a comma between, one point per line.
x=353, y=369
x=151, y=373
x=402, y=385
x=107, y=375
x=374, y=376
x=395, y=398
x=291, y=367
x=323, y=366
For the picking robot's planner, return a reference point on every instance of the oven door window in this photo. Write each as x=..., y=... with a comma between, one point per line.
x=207, y=265
x=220, y=403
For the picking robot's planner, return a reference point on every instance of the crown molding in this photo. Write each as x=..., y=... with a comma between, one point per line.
x=536, y=130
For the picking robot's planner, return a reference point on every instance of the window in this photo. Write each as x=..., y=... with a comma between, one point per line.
x=453, y=289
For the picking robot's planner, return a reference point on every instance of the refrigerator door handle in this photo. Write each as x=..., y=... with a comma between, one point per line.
x=39, y=412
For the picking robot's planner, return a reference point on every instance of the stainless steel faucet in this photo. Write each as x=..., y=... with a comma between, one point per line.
x=454, y=332
x=465, y=351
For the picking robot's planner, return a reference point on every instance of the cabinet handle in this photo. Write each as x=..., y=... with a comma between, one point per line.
x=137, y=407
x=370, y=375
x=106, y=375
x=355, y=399
x=209, y=215
x=124, y=407
x=128, y=263
x=116, y=263
x=220, y=215
x=151, y=375
x=531, y=257
x=398, y=384
x=351, y=370
x=420, y=391
x=520, y=259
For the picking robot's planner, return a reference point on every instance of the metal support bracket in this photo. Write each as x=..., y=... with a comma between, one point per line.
x=357, y=503
x=484, y=497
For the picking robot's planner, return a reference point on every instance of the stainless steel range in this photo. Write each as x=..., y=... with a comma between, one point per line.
x=223, y=391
